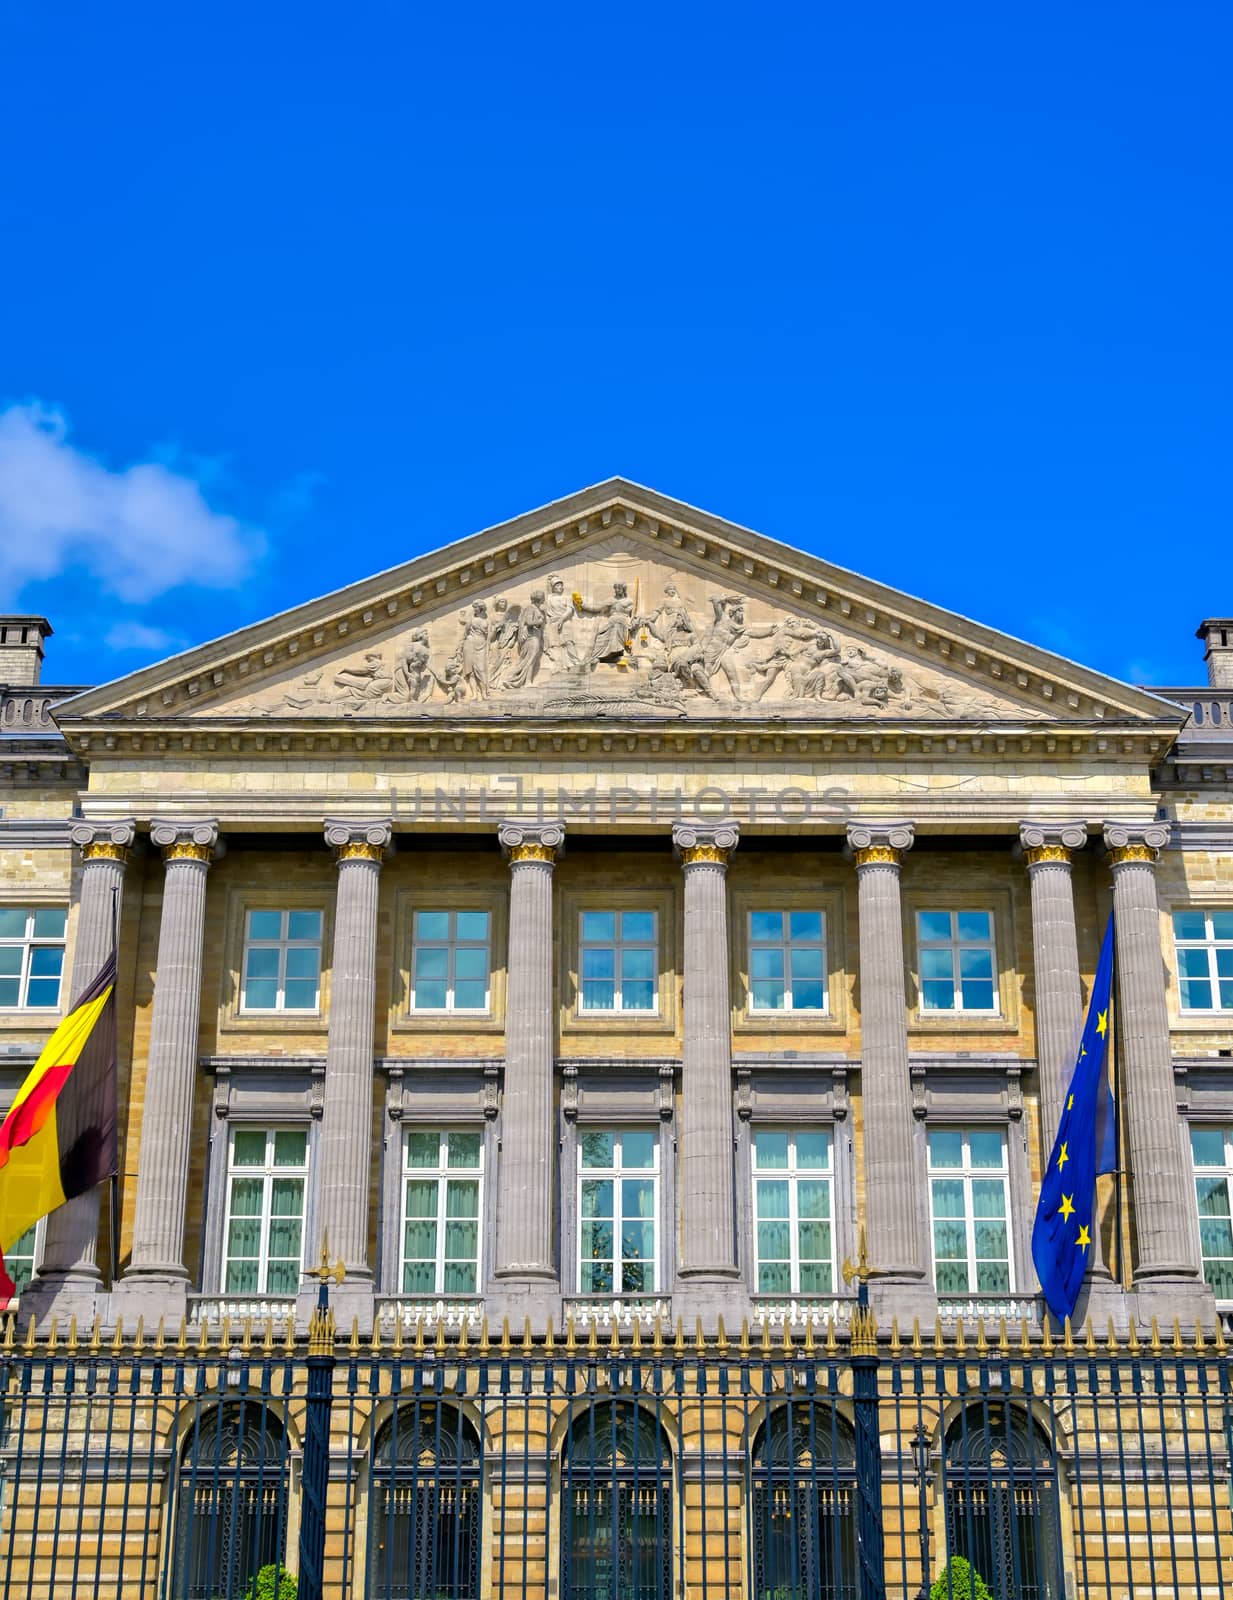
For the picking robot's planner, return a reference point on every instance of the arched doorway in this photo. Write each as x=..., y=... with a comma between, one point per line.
x=426, y=1505
x=616, y=1505
x=999, y=1478
x=803, y=1505
x=231, y=1500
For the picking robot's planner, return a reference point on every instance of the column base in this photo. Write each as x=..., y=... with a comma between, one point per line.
x=352, y=1300
x=709, y=1297
x=903, y=1299
x=1189, y=1300
x=63, y=1295
x=520, y=1298
x=149, y=1295
x=1100, y=1299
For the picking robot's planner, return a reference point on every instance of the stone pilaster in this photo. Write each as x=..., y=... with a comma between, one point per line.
x=709, y=1271
x=68, y=1280
x=342, y=1187
x=526, y=1281
x=901, y=1283
x=1167, y=1273
x=156, y=1282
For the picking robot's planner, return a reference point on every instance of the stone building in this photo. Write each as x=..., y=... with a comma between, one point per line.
x=600, y=920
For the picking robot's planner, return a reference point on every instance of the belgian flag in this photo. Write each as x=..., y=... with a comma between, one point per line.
x=59, y=1138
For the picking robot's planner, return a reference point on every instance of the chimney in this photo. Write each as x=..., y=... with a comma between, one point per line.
x=1217, y=634
x=21, y=650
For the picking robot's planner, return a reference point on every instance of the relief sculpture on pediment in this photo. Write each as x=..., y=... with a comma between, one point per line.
x=623, y=637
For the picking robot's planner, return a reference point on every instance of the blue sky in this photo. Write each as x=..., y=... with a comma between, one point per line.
x=291, y=293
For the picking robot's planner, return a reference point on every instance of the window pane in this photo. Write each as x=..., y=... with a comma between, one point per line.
x=773, y=1241
x=243, y=1237
x=285, y=1239
x=806, y=964
x=975, y=964
x=814, y=1241
x=597, y=1148
x=49, y=922
x=934, y=924
x=1196, y=994
x=637, y=1241
x=421, y=1239
x=463, y=1149
x=945, y=1147
x=46, y=961
x=937, y=964
x=992, y=1277
x=813, y=1200
x=304, y=925
x=290, y=1148
x=599, y=926
x=10, y=991
x=638, y=1198
x=460, y=1277
x=246, y=1195
x=948, y=1197
x=304, y=963
x=774, y=1277
x=597, y=1197
x=766, y=924
x=638, y=1149
x=1222, y=924
x=300, y=994
x=43, y=992
x=265, y=924
x=432, y=961
x=638, y=996
x=1192, y=963
x=1207, y=1146
x=808, y=995
x=461, y=1240
x=1216, y=1235
x=813, y=1150
x=988, y=1197
x=461, y=1200
x=472, y=925
x=951, y=1277
x=283, y=1276
x=638, y=925
x=1213, y=1196
x=248, y=1148
x=471, y=962
x=432, y=925
x=423, y=1147
x=471, y=994
x=596, y=1234
x=639, y=964
x=421, y=1197
x=949, y=1241
x=10, y=959
x=806, y=925
x=770, y=1149
x=13, y=920
x=240, y=1278
x=596, y=1277
x=261, y=994
x=816, y=1277
x=985, y=1146
x=768, y=994
x=766, y=963
x=977, y=995
x=1188, y=925
x=991, y=1241
x=262, y=963
x=974, y=925
x=772, y=1198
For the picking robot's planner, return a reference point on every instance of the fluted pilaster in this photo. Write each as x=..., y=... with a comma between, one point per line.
x=525, y=1231
x=1048, y=850
x=1165, y=1229
x=69, y=1269
x=886, y=1089
x=346, y=1117
x=166, y=1124
x=708, y=1225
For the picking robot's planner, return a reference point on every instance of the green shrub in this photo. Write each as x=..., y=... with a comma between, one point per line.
x=959, y=1580
x=272, y=1583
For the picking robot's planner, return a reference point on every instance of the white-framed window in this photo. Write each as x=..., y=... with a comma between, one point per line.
x=31, y=956
x=282, y=961
x=450, y=960
x=787, y=961
x=793, y=1233
x=1204, y=944
x=619, y=961
x=1211, y=1149
x=958, y=961
x=22, y=1260
x=969, y=1207
x=618, y=1211
x=267, y=1192
x=443, y=1176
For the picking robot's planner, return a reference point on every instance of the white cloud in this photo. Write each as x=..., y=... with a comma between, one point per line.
x=140, y=636
x=142, y=529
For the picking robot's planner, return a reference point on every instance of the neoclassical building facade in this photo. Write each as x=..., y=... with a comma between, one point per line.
x=608, y=916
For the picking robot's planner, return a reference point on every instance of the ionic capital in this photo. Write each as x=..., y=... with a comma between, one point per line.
x=1050, y=843
x=880, y=844
x=359, y=841
x=186, y=841
x=531, y=841
x=104, y=841
x=705, y=843
x=1132, y=843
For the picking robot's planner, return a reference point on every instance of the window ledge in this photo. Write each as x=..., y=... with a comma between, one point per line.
x=451, y=1021
x=310, y=1022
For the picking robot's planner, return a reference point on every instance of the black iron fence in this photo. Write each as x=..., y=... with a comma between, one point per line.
x=661, y=1470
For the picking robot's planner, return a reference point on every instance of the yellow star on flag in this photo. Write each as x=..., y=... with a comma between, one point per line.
x=1063, y=1158
x=1102, y=1023
x=1084, y=1238
x=1070, y=1104
x=1067, y=1207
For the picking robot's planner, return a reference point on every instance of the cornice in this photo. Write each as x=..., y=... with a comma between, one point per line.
x=763, y=567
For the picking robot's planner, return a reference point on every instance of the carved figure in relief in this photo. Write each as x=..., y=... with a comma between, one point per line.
x=414, y=676
x=728, y=635
x=614, y=637
x=502, y=640
x=370, y=679
x=560, y=646
x=671, y=622
x=532, y=620
x=467, y=668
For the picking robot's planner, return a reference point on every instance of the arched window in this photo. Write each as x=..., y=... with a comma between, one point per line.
x=616, y=1505
x=1001, y=1500
x=804, y=1505
x=231, y=1500
x=424, y=1525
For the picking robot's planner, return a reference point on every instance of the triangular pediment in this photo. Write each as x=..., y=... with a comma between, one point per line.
x=617, y=602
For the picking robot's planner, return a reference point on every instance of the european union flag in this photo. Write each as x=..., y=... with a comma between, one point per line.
x=1085, y=1145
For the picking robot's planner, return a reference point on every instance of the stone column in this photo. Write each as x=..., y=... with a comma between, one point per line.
x=709, y=1271
x=156, y=1282
x=342, y=1186
x=1167, y=1275
x=1047, y=851
x=68, y=1279
x=526, y=1275
x=891, y=1227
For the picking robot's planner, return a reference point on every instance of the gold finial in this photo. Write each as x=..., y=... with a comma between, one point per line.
x=246, y=1343
x=1179, y=1344
x=961, y=1344
x=1220, y=1340
x=267, y=1338
x=896, y=1343
x=832, y=1341
x=1046, y=1338
x=982, y=1344
x=506, y=1344
x=117, y=1339
x=862, y=1269
x=224, y=1338
x=699, y=1336
x=1089, y=1340
x=1068, y=1338
x=527, y=1341
x=96, y=1335
x=571, y=1335
x=788, y=1337
x=864, y=1332
x=637, y=1336
x=678, y=1342
x=439, y=1342
x=764, y=1344
x=324, y=1271
x=1132, y=1338
x=10, y=1330
x=614, y=1338
x=721, y=1336
x=182, y=1338
x=353, y=1343
x=419, y=1336
x=396, y=1343
x=321, y=1331
x=549, y=1341
x=1111, y=1342
x=464, y=1324
x=72, y=1336
x=203, y=1338
x=657, y=1336
x=1157, y=1347
x=52, y=1342
x=138, y=1337
x=592, y=1338
x=30, y=1337
x=289, y=1336
x=744, y=1344
x=485, y=1344
x=809, y=1345
x=1025, y=1338
x=918, y=1348
x=939, y=1342
x=1003, y=1337
x=1200, y=1343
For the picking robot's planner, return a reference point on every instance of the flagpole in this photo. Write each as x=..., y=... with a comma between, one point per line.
x=114, y=1213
